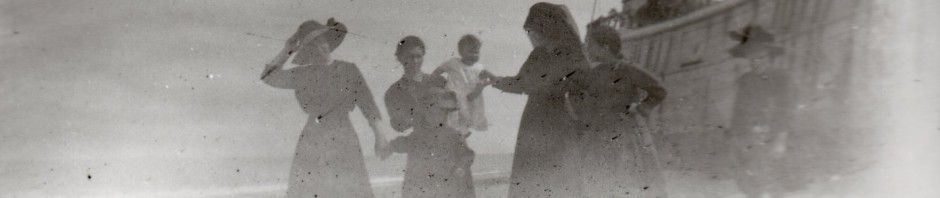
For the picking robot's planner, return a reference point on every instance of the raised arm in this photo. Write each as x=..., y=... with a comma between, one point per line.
x=274, y=75
x=518, y=83
x=511, y=84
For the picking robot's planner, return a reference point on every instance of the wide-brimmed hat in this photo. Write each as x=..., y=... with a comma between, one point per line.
x=335, y=32
x=754, y=40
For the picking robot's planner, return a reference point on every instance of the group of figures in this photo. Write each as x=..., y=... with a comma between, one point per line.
x=581, y=132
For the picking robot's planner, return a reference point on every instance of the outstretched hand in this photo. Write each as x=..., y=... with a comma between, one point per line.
x=487, y=78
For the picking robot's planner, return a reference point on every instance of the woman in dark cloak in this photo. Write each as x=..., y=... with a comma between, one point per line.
x=617, y=160
x=547, y=128
x=328, y=161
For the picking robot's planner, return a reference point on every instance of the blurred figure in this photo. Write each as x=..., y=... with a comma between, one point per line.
x=760, y=125
x=618, y=156
x=547, y=129
x=439, y=159
x=467, y=78
x=328, y=161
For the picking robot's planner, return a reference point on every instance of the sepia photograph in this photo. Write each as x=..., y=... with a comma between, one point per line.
x=470, y=98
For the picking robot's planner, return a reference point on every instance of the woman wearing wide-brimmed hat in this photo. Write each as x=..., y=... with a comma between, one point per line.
x=618, y=157
x=328, y=161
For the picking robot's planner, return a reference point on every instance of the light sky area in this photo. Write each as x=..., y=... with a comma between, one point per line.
x=120, y=79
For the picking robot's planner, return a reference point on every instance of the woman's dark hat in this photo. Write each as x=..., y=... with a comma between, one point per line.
x=752, y=41
x=334, y=35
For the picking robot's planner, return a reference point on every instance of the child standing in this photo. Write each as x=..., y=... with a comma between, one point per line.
x=439, y=159
x=466, y=78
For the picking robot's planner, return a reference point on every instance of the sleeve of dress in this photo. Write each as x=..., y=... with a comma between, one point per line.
x=274, y=75
x=517, y=84
x=399, y=112
x=280, y=78
x=363, y=95
x=645, y=81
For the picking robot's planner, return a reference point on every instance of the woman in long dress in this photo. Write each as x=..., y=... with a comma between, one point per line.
x=439, y=159
x=546, y=130
x=401, y=97
x=328, y=161
x=616, y=159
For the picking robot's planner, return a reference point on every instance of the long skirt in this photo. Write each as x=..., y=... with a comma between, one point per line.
x=329, y=161
x=546, y=134
x=616, y=162
x=439, y=166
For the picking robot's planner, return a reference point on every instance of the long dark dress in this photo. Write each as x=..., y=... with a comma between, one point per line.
x=328, y=161
x=614, y=161
x=546, y=129
x=438, y=165
x=401, y=101
x=439, y=158
x=762, y=112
